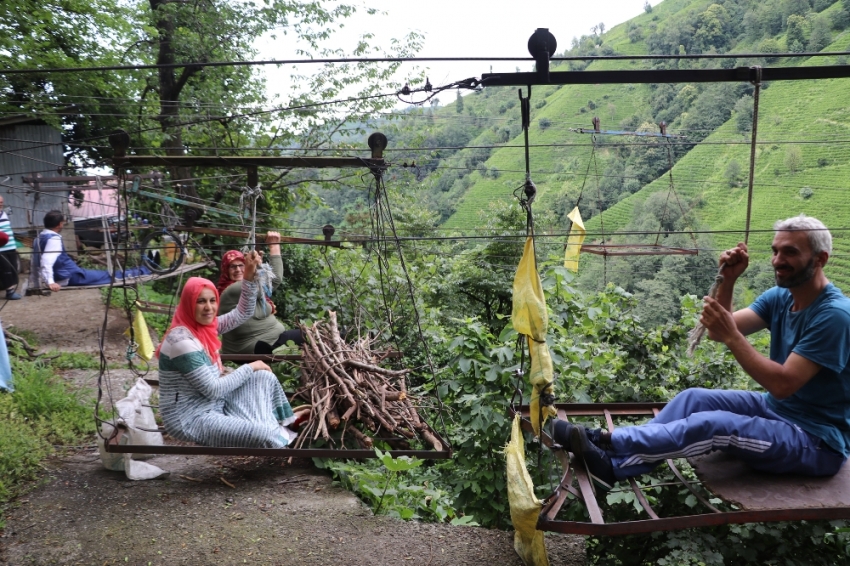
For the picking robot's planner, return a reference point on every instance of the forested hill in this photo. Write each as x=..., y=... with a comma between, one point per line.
x=802, y=159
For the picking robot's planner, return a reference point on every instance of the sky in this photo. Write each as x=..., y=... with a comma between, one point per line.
x=466, y=28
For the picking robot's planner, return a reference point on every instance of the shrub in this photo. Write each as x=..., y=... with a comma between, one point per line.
x=806, y=192
x=840, y=19
x=793, y=158
x=744, y=113
x=733, y=173
x=544, y=123
x=769, y=46
x=634, y=32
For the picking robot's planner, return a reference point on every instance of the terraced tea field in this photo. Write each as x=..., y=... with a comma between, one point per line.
x=808, y=118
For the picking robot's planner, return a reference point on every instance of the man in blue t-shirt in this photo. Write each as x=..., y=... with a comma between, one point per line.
x=801, y=424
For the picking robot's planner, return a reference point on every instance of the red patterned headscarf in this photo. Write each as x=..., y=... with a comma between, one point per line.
x=224, y=280
x=207, y=334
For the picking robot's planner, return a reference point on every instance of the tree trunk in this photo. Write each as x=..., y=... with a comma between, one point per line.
x=170, y=87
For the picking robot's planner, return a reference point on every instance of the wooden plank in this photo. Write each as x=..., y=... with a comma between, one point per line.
x=736, y=482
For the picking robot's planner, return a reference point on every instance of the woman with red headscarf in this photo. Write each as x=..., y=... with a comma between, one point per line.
x=245, y=408
x=263, y=332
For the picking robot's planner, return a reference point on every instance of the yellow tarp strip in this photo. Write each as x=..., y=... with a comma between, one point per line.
x=525, y=507
x=530, y=318
x=142, y=336
x=574, y=240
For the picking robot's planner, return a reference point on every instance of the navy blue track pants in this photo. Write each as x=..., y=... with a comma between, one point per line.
x=698, y=421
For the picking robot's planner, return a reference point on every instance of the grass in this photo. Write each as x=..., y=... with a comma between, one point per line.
x=41, y=414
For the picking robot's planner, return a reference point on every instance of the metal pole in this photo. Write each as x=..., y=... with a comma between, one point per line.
x=757, y=83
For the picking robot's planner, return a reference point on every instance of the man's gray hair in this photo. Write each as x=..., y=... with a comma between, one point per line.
x=820, y=240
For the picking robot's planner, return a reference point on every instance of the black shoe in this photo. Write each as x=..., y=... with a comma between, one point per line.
x=561, y=433
x=596, y=460
x=599, y=437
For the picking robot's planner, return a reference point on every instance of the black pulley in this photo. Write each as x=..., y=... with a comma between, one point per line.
x=542, y=45
x=377, y=143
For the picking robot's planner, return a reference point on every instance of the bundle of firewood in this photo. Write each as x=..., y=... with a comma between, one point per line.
x=347, y=388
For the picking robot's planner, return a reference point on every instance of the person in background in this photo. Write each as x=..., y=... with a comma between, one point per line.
x=263, y=332
x=5, y=365
x=56, y=267
x=8, y=256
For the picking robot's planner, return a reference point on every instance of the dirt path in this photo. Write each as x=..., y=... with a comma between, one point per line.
x=275, y=514
x=68, y=321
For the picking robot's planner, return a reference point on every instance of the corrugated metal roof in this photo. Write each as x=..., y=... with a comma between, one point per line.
x=27, y=149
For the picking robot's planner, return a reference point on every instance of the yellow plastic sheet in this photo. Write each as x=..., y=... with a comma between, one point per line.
x=525, y=507
x=530, y=318
x=142, y=336
x=574, y=240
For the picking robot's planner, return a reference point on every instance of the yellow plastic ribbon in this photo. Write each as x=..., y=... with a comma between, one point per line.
x=530, y=318
x=525, y=507
x=574, y=240
x=142, y=336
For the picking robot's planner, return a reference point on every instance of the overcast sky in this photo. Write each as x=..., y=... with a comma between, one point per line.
x=466, y=28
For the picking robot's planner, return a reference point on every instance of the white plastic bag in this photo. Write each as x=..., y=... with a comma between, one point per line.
x=133, y=411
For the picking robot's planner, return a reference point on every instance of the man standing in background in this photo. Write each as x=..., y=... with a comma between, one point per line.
x=8, y=257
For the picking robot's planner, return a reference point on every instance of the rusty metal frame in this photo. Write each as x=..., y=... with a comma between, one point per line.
x=306, y=161
x=113, y=445
x=377, y=143
x=597, y=526
x=635, y=249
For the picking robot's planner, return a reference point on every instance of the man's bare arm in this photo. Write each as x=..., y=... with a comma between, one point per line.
x=748, y=321
x=781, y=380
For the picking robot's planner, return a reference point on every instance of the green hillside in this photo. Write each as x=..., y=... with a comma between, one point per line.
x=559, y=172
x=802, y=160
x=811, y=116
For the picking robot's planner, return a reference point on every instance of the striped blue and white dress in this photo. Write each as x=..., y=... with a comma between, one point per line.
x=244, y=408
x=6, y=226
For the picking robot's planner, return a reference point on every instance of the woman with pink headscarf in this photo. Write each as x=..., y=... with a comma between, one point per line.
x=263, y=332
x=198, y=403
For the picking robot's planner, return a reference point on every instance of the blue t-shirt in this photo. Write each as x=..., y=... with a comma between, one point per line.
x=821, y=334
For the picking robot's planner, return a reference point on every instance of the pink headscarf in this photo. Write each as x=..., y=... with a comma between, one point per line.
x=207, y=334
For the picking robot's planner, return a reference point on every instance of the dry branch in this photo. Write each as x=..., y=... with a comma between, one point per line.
x=345, y=384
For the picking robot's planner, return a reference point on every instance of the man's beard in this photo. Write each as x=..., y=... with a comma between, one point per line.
x=796, y=278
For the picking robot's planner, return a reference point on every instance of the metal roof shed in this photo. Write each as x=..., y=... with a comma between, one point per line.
x=29, y=147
